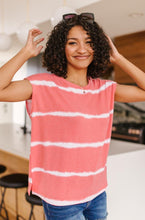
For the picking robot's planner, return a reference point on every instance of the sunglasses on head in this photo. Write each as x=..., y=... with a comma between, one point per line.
x=89, y=17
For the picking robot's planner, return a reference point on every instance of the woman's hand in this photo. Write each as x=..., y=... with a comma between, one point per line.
x=32, y=46
x=114, y=54
x=125, y=93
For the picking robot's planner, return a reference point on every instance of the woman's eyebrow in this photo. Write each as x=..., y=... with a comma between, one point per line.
x=72, y=38
x=75, y=38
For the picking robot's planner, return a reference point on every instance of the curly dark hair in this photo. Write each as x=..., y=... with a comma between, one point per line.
x=54, y=58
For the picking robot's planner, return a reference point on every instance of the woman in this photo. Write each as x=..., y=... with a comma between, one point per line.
x=71, y=112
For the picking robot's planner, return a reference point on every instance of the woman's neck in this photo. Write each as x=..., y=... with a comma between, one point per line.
x=78, y=77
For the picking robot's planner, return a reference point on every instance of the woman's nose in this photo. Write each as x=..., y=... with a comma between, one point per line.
x=82, y=48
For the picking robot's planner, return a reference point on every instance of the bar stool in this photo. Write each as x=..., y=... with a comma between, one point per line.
x=13, y=181
x=33, y=200
x=2, y=168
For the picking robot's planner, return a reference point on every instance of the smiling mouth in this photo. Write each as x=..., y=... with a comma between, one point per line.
x=81, y=57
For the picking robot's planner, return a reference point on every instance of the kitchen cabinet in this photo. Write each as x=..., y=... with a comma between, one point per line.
x=132, y=46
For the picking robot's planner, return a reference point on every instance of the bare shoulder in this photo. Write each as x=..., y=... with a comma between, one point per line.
x=17, y=91
x=129, y=93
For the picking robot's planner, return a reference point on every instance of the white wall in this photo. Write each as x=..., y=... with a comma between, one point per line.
x=13, y=112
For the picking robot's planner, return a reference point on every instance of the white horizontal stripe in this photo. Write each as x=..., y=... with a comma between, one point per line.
x=65, y=202
x=71, y=89
x=71, y=114
x=67, y=174
x=69, y=144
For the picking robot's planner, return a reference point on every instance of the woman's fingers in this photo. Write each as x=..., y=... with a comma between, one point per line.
x=39, y=48
x=113, y=52
x=33, y=37
x=32, y=45
x=35, y=32
x=39, y=40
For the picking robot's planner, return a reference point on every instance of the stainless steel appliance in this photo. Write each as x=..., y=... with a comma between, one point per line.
x=129, y=122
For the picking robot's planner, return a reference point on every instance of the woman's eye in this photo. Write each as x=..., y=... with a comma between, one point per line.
x=89, y=42
x=71, y=43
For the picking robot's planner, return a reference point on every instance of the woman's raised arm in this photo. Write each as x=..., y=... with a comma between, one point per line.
x=125, y=93
x=19, y=90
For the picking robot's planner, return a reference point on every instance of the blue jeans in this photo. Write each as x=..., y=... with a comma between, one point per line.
x=95, y=209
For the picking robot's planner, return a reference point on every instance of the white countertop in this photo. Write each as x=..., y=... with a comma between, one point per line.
x=14, y=141
x=119, y=147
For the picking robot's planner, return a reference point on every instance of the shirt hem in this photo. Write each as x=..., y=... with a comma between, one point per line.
x=64, y=202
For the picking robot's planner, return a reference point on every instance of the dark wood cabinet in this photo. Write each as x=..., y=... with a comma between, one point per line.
x=131, y=46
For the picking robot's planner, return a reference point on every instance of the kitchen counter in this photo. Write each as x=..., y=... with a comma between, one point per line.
x=120, y=147
x=13, y=140
x=126, y=181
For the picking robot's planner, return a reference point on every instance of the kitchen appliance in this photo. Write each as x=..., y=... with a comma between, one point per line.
x=133, y=132
x=129, y=122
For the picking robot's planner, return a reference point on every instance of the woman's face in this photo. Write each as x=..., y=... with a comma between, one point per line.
x=78, y=50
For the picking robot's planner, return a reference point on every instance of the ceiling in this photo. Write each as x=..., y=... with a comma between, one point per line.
x=112, y=15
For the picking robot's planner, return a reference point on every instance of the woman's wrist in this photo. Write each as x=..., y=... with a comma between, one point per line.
x=117, y=59
x=26, y=53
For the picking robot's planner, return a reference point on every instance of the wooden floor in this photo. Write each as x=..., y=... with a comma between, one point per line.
x=11, y=217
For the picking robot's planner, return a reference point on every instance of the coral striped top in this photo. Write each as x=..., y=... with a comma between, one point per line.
x=70, y=137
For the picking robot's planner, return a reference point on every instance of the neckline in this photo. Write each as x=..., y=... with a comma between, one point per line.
x=73, y=84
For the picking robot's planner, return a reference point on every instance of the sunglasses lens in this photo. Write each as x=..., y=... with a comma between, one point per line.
x=88, y=16
x=68, y=16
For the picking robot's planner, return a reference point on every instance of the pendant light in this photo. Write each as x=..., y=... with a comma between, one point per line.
x=22, y=32
x=5, y=39
x=57, y=17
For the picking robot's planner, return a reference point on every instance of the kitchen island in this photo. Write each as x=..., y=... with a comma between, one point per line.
x=13, y=140
x=126, y=181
